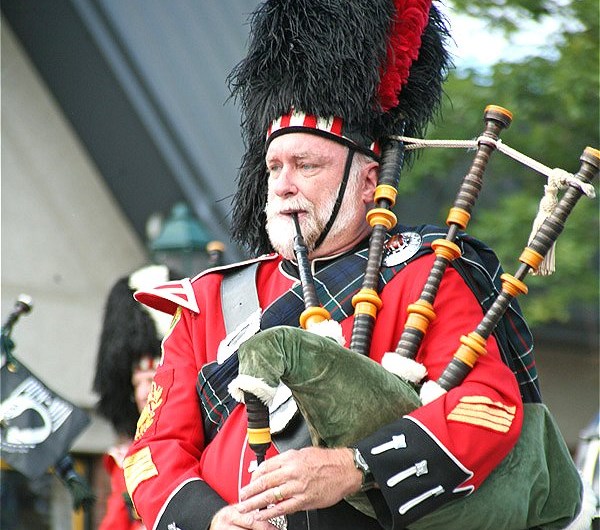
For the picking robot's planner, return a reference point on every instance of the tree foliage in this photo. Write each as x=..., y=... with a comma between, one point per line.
x=554, y=99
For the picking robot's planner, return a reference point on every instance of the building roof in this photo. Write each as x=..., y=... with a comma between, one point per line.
x=144, y=87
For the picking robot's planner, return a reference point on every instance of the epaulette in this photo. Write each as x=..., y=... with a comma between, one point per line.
x=168, y=296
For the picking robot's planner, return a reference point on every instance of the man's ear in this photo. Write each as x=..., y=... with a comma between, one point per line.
x=371, y=172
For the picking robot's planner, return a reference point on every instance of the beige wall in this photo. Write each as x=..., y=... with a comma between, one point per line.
x=64, y=240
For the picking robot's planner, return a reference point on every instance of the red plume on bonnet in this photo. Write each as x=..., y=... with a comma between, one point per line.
x=403, y=48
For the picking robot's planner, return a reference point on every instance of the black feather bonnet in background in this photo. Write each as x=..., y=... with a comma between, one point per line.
x=373, y=63
x=130, y=332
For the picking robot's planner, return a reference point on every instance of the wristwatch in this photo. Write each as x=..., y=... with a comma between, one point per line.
x=368, y=480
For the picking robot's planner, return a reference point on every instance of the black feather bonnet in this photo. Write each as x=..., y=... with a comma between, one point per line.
x=350, y=69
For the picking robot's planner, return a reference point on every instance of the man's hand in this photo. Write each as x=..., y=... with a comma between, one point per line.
x=230, y=518
x=305, y=479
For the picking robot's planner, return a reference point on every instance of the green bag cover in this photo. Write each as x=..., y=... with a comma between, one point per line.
x=323, y=375
x=535, y=486
x=340, y=394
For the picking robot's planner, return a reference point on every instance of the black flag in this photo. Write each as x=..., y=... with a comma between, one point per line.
x=37, y=426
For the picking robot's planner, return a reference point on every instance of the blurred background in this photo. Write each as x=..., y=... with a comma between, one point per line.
x=116, y=128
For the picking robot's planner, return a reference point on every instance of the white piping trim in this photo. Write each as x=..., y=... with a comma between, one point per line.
x=447, y=451
x=222, y=268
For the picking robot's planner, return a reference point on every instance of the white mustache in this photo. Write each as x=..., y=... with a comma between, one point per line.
x=279, y=207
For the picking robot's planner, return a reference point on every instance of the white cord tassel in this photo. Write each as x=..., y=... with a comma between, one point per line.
x=547, y=205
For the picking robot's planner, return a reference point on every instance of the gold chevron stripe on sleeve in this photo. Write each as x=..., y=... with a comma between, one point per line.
x=137, y=468
x=488, y=401
x=483, y=412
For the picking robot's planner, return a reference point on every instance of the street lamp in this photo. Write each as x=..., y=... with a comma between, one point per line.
x=181, y=243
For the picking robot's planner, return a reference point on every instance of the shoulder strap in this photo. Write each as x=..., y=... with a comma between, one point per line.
x=239, y=296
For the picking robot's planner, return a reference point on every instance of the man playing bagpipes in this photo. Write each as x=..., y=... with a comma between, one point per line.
x=326, y=89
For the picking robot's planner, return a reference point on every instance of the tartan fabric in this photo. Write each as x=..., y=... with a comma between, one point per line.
x=217, y=403
x=480, y=269
x=337, y=282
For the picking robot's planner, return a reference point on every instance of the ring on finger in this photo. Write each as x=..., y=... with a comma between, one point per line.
x=277, y=494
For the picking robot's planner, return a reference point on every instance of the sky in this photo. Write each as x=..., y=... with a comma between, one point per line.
x=478, y=46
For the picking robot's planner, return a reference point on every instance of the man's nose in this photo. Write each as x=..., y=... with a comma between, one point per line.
x=285, y=183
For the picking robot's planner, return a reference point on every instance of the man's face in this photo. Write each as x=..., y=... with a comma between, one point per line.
x=305, y=173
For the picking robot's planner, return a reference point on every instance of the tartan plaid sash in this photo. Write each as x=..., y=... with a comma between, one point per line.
x=337, y=282
x=480, y=269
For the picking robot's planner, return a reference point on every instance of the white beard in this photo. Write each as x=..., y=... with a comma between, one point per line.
x=281, y=228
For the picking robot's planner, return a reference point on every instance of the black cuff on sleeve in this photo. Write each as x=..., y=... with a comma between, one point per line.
x=415, y=472
x=193, y=506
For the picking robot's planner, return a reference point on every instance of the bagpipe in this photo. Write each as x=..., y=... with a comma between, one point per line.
x=339, y=391
x=37, y=426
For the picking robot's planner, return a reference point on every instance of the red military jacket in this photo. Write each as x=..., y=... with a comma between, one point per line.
x=174, y=476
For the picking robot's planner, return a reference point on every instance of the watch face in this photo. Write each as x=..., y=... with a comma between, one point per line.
x=360, y=462
x=368, y=480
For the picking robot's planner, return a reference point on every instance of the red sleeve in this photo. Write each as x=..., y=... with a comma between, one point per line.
x=164, y=468
x=479, y=421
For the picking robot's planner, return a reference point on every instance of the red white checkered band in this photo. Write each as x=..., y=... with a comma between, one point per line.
x=333, y=127
x=295, y=118
x=146, y=363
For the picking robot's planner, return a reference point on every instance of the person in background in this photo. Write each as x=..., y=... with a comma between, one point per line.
x=128, y=354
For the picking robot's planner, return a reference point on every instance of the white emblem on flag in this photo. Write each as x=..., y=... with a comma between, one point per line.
x=32, y=399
